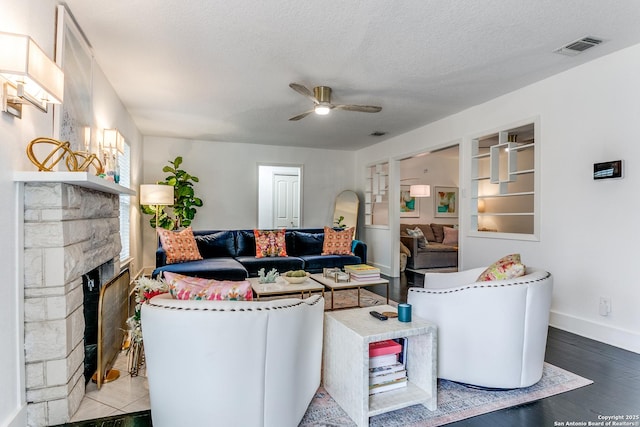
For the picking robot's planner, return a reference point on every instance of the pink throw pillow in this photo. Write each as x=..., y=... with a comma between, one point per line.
x=195, y=288
x=450, y=236
x=508, y=267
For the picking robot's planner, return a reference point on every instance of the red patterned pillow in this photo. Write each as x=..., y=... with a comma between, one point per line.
x=337, y=242
x=270, y=243
x=508, y=267
x=179, y=246
x=195, y=288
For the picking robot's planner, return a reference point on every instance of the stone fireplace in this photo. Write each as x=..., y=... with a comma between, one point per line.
x=69, y=230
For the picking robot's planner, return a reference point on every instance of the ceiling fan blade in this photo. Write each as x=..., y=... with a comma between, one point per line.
x=359, y=108
x=300, y=116
x=302, y=90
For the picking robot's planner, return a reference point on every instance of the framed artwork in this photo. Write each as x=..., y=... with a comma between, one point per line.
x=409, y=206
x=445, y=202
x=73, y=119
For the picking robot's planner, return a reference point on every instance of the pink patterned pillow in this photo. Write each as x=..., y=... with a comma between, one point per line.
x=508, y=267
x=450, y=236
x=337, y=242
x=270, y=243
x=179, y=246
x=195, y=288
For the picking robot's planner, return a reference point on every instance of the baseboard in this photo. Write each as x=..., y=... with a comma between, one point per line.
x=616, y=337
x=18, y=419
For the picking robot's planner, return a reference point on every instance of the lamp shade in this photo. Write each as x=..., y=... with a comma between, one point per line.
x=156, y=194
x=420, y=191
x=22, y=62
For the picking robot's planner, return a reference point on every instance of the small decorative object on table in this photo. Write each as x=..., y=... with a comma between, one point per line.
x=296, y=276
x=336, y=274
x=145, y=289
x=270, y=277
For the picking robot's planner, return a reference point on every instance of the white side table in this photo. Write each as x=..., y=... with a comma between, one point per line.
x=347, y=334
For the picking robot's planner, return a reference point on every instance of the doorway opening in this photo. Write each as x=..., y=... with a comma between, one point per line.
x=279, y=196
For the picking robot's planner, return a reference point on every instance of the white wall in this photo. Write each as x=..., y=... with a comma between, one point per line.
x=37, y=19
x=228, y=186
x=588, y=229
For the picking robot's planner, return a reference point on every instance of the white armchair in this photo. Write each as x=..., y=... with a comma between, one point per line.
x=490, y=334
x=232, y=363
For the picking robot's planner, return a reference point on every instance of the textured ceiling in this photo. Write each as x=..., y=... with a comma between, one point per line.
x=219, y=70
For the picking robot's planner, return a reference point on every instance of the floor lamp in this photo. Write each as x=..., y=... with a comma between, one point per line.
x=156, y=195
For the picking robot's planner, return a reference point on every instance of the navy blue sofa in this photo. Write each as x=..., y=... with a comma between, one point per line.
x=231, y=255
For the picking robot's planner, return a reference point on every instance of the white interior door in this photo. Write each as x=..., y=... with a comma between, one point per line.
x=285, y=201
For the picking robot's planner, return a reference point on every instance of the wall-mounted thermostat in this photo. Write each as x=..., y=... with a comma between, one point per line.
x=607, y=170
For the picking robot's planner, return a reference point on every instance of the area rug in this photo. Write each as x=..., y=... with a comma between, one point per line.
x=455, y=402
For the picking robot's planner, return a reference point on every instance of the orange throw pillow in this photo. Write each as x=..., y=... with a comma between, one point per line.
x=179, y=246
x=337, y=242
x=270, y=243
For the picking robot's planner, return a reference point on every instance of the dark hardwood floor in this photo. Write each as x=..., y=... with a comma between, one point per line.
x=615, y=374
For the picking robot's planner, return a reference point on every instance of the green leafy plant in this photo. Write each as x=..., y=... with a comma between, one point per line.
x=185, y=202
x=338, y=222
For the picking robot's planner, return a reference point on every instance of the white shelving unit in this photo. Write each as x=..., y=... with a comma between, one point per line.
x=503, y=182
x=376, y=190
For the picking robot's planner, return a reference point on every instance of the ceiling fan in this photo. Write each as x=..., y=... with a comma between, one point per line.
x=321, y=97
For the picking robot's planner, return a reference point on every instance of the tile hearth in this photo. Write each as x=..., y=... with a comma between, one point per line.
x=125, y=395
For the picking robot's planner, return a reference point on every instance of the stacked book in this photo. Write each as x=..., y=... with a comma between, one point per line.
x=387, y=365
x=362, y=272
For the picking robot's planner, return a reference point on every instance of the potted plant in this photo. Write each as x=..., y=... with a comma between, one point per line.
x=185, y=202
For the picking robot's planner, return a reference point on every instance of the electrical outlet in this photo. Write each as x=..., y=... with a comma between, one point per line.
x=605, y=306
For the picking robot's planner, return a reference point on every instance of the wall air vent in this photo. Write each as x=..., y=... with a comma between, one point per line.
x=578, y=46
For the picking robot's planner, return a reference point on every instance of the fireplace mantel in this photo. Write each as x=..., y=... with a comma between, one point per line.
x=81, y=179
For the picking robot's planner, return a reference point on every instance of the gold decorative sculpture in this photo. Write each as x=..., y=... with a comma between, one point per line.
x=76, y=161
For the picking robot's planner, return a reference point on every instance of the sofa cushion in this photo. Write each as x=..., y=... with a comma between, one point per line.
x=282, y=264
x=196, y=288
x=507, y=267
x=337, y=242
x=315, y=263
x=426, y=230
x=245, y=243
x=179, y=246
x=209, y=268
x=438, y=232
x=450, y=236
x=270, y=243
x=307, y=243
x=418, y=234
x=216, y=244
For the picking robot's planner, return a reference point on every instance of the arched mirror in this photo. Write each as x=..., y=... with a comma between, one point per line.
x=345, y=213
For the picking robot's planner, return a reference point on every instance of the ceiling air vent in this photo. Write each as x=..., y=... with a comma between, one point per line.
x=377, y=133
x=578, y=46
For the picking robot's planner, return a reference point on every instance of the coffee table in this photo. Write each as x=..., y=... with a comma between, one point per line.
x=337, y=286
x=347, y=334
x=283, y=288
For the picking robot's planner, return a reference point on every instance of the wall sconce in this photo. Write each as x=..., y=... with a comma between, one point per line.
x=29, y=73
x=113, y=140
x=420, y=191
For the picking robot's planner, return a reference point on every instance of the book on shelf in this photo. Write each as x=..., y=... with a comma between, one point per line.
x=384, y=360
x=387, y=369
x=380, y=348
x=387, y=378
x=379, y=388
x=361, y=268
x=402, y=356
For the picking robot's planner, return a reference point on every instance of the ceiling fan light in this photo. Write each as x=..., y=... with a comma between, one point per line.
x=322, y=110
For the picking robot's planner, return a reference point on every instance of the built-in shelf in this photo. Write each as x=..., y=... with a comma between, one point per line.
x=81, y=179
